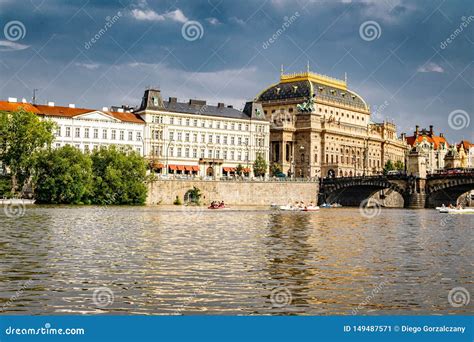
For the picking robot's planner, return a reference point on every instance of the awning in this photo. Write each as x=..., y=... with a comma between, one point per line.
x=195, y=168
x=188, y=167
x=157, y=165
x=180, y=167
x=246, y=170
x=173, y=167
x=229, y=169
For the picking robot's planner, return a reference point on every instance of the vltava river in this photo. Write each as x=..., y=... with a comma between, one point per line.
x=143, y=260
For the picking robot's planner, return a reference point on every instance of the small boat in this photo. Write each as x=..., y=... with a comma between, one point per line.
x=325, y=205
x=218, y=206
x=311, y=208
x=292, y=208
x=460, y=211
x=16, y=201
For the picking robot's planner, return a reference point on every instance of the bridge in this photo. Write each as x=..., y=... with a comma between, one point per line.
x=416, y=192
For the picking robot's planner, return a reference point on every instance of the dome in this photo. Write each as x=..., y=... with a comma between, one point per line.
x=299, y=87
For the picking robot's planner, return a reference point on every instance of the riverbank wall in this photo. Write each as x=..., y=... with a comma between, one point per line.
x=234, y=192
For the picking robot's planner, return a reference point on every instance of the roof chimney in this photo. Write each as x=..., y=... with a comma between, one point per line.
x=72, y=105
x=12, y=99
x=431, y=129
x=441, y=135
x=220, y=105
x=50, y=103
x=173, y=100
x=417, y=130
x=230, y=106
x=105, y=109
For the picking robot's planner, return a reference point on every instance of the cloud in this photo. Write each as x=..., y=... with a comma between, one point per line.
x=90, y=66
x=237, y=21
x=150, y=15
x=213, y=21
x=430, y=67
x=6, y=45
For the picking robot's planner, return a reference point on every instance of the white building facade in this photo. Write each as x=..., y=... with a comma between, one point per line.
x=88, y=129
x=193, y=138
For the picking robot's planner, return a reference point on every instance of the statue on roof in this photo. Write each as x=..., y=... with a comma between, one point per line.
x=307, y=106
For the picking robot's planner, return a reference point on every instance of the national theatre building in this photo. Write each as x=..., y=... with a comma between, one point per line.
x=321, y=128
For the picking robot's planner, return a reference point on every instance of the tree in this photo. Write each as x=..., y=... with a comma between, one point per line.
x=21, y=134
x=275, y=169
x=259, y=165
x=239, y=169
x=399, y=165
x=63, y=176
x=193, y=196
x=388, y=167
x=118, y=177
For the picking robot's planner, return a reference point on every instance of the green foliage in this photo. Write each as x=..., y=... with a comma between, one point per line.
x=259, y=166
x=239, y=169
x=193, y=195
x=63, y=176
x=5, y=186
x=21, y=134
x=399, y=165
x=388, y=167
x=118, y=177
x=177, y=201
x=275, y=169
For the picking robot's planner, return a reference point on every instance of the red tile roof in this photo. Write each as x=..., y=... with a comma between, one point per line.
x=435, y=140
x=465, y=144
x=68, y=112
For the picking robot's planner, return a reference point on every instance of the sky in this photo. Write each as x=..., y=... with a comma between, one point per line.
x=412, y=61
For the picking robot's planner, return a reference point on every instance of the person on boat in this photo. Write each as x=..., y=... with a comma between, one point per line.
x=222, y=205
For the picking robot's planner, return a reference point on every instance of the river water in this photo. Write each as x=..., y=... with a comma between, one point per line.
x=186, y=261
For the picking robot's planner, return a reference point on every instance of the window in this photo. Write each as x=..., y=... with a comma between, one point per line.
x=68, y=132
x=139, y=136
x=210, y=138
x=232, y=155
x=218, y=139
x=203, y=137
x=209, y=153
x=86, y=148
x=180, y=136
x=218, y=125
x=104, y=134
x=180, y=121
x=130, y=136
x=246, y=127
x=171, y=121
x=186, y=137
x=202, y=153
x=203, y=123
x=232, y=140
x=171, y=135
x=224, y=154
x=96, y=133
x=239, y=141
x=240, y=127
x=232, y=126
x=114, y=134
x=171, y=151
x=225, y=140
x=77, y=133
x=186, y=152
x=218, y=154
x=195, y=123
x=86, y=133
x=180, y=151
x=239, y=155
x=58, y=131
x=247, y=141
x=195, y=137
x=187, y=122
x=195, y=152
x=122, y=135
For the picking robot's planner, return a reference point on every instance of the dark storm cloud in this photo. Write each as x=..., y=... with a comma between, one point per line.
x=85, y=52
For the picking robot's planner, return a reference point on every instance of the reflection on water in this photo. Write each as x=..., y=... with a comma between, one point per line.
x=176, y=261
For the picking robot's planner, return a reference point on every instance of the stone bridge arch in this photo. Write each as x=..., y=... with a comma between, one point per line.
x=353, y=191
x=447, y=190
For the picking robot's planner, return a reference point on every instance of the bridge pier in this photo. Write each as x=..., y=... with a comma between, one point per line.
x=415, y=195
